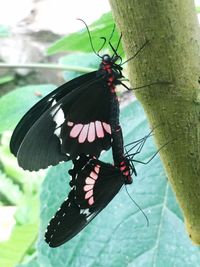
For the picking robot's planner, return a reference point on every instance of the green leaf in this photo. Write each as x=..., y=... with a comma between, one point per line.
x=119, y=236
x=33, y=263
x=10, y=191
x=12, y=169
x=12, y=251
x=28, y=210
x=16, y=103
x=79, y=41
x=79, y=59
x=6, y=79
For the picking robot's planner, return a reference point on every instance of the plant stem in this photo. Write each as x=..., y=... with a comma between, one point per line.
x=46, y=66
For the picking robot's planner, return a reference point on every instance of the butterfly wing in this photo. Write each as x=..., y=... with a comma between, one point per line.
x=87, y=125
x=42, y=106
x=93, y=187
x=54, y=136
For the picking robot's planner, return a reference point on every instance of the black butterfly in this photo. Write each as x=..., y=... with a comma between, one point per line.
x=78, y=117
x=93, y=187
x=94, y=184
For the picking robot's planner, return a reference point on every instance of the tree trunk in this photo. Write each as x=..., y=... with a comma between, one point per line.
x=172, y=55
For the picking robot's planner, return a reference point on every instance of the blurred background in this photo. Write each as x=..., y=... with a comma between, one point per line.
x=42, y=45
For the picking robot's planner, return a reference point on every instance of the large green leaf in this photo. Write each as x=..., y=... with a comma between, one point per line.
x=16, y=103
x=33, y=263
x=119, y=236
x=79, y=41
x=12, y=251
x=89, y=60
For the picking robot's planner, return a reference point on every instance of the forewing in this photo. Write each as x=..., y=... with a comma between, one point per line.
x=93, y=188
x=42, y=106
x=46, y=142
x=87, y=125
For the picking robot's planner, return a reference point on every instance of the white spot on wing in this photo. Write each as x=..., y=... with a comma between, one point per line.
x=85, y=211
x=54, y=102
x=59, y=118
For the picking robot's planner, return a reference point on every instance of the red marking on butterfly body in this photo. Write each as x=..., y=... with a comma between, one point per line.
x=125, y=169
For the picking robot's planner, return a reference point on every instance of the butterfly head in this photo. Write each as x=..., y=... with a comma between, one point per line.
x=106, y=59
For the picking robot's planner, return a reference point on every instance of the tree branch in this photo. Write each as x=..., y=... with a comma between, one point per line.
x=172, y=55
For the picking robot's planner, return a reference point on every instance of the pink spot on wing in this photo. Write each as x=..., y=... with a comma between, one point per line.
x=76, y=130
x=88, y=194
x=91, y=132
x=88, y=187
x=89, y=180
x=91, y=201
x=83, y=133
x=93, y=175
x=70, y=123
x=107, y=127
x=99, y=129
x=96, y=168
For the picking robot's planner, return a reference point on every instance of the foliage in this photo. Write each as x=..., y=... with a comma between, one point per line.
x=15, y=104
x=79, y=59
x=17, y=187
x=18, y=190
x=6, y=79
x=79, y=41
x=12, y=251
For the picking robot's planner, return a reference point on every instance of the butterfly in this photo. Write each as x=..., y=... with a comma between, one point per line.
x=94, y=184
x=79, y=117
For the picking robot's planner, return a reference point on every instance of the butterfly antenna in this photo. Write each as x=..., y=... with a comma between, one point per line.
x=104, y=41
x=112, y=33
x=90, y=37
x=146, y=162
x=119, y=41
x=139, y=141
x=136, y=53
x=115, y=49
x=140, y=145
x=137, y=206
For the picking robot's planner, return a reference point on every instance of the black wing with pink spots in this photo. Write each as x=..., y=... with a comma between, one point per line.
x=80, y=121
x=93, y=185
